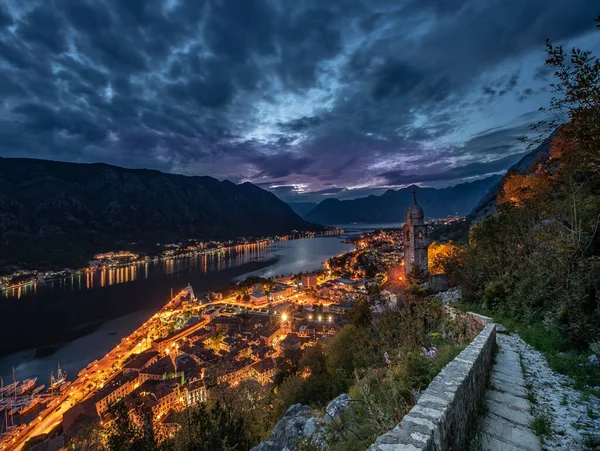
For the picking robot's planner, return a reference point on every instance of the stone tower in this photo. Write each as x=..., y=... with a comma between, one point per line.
x=415, y=237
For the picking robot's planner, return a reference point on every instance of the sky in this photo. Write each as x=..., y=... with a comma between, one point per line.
x=309, y=99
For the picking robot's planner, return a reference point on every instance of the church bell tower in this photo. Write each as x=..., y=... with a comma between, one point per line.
x=415, y=238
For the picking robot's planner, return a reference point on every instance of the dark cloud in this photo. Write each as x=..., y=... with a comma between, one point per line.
x=305, y=98
x=399, y=178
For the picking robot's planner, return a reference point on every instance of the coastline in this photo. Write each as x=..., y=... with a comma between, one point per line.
x=91, y=341
x=60, y=337
x=34, y=276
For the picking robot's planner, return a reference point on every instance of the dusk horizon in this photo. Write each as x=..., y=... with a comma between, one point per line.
x=429, y=94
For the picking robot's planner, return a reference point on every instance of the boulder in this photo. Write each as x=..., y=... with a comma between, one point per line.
x=336, y=407
x=294, y=425
x=501, y=329
x=300, y=424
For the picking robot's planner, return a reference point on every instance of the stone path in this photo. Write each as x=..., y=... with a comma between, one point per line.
x=574, y=415
x=506, y=426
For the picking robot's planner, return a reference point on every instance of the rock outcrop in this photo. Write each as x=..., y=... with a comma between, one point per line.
x=301, y=424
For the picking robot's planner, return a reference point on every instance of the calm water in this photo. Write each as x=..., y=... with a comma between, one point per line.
x=86, y=316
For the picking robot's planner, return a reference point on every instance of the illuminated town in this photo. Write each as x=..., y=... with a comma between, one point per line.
x=122, y=266
x=198, y=344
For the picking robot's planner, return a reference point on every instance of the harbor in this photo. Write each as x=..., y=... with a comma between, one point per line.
x=21, y=401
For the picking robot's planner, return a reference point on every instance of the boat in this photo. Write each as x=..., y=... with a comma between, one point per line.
x=27, y=385
x=38, y=390
x=60, y=379
x=8, y=389
x=29, y=406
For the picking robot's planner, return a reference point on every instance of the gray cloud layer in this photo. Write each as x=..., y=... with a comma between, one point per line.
x=330, y=98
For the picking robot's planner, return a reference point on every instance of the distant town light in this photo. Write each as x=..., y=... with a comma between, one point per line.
x=284, y=317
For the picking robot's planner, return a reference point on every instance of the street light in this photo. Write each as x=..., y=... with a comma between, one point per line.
x=284, y=317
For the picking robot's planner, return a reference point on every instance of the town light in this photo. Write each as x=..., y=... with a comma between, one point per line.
x=284, y=317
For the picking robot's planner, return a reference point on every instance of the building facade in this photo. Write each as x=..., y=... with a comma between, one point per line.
x=309, y=280
x=414, y=233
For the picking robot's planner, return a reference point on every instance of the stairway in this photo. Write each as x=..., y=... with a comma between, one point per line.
x=506, y=426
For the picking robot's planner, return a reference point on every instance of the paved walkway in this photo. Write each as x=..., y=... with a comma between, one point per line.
x=507, y=423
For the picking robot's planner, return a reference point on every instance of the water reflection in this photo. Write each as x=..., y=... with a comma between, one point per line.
x=106, y=276
x=56, y=313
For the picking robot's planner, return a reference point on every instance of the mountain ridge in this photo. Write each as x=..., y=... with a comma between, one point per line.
x=77, y=208
x=390, y=206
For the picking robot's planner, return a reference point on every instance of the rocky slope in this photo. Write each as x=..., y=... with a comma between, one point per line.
x=72, y=209
x=391, y=205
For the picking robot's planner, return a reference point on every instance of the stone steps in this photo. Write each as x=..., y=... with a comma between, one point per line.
x=506, y=426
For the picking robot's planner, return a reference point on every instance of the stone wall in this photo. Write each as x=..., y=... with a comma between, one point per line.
x=437, y=282
x=445, y=414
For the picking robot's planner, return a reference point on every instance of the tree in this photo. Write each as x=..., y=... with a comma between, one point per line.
x=361, y=314
x=88, y=437
x=314, y=359
x=210, y=427
x=124, y=433
x=538, y=260
x=446, y=258
x=215, y=341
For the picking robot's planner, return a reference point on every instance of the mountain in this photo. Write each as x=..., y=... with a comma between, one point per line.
x=60, y=213
x=391, y=205
x=302, y=208
x=488, y=204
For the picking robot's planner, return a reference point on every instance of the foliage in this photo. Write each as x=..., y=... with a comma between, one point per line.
x=216, y=340
x=551, y=343
x=130, y=432
x=538, y=260
x=446, y=258
x=208, y=427
x=542, y=425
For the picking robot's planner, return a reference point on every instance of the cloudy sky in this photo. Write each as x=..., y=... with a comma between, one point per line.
x=307, y=98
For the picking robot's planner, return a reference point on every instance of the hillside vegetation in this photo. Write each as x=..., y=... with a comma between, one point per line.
x=536, y=264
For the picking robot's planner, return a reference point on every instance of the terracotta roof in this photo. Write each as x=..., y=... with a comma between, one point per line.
x=139, y=360
x=264, y=365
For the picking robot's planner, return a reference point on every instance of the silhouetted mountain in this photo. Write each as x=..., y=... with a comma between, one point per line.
x=59, y=213
x=302, y=208
x=488, y=204
x=391, y=205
